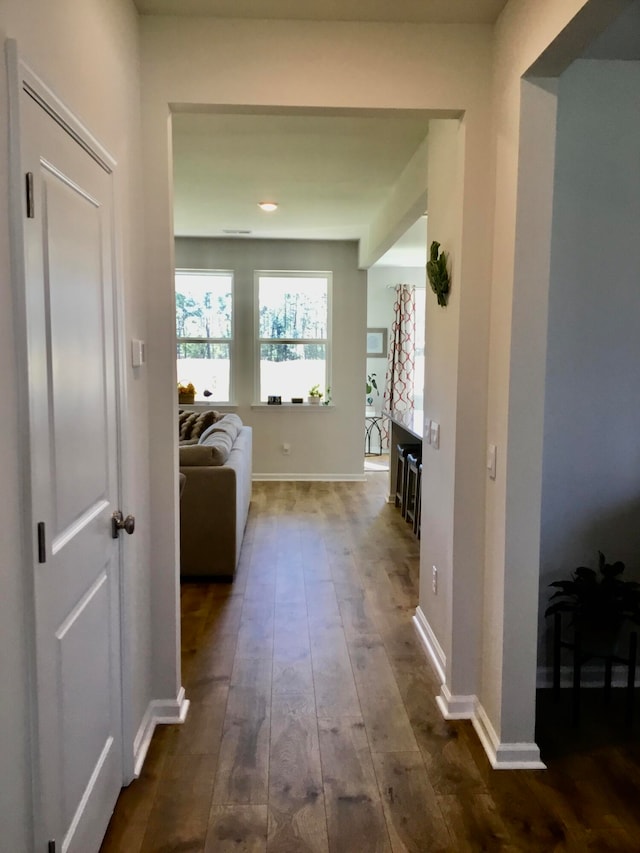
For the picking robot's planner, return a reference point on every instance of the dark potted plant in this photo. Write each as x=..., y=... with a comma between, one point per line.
x=600, y=603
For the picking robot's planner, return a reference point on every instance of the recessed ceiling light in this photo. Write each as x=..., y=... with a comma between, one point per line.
x=268, y=206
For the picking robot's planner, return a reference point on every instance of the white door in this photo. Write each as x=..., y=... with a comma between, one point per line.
x=74, y=465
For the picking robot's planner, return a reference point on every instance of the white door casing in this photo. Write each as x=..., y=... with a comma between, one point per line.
x=72, y=483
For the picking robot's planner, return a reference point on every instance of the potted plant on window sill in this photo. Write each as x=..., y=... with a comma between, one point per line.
x=186, y=393
x=600, y=604
x=315, y=395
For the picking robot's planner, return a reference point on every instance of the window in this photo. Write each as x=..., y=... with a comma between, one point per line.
x=293, y=331
x=204, y=331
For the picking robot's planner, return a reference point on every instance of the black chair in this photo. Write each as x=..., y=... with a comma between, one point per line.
x=403, y=450
x=417, y=526
x=414, y=477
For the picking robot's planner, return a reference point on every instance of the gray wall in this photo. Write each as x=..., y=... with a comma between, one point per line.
x=326, y=442
x=591, y=471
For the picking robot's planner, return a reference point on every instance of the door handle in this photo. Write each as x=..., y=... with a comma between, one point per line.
x=119, y=523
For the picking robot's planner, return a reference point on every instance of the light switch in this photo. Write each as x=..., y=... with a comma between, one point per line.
x=427, y=430
x=138, y=356
x=491, y=461
x=435, y=435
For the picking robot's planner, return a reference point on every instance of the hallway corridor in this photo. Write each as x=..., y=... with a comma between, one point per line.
x=313, y=725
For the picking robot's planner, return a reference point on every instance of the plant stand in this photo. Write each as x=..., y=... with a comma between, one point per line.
x=372, y=422
x=580, y=657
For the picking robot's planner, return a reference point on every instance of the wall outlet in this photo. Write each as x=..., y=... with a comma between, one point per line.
x=434, y=580
x=286, y=449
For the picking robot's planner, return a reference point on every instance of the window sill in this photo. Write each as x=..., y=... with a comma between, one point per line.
x=201, y=405
x=307, y=407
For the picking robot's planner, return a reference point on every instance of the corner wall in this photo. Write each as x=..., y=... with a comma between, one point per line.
x=453, y=481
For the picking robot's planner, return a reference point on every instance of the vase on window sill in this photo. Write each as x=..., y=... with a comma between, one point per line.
x=186, y=398
x=315, y=401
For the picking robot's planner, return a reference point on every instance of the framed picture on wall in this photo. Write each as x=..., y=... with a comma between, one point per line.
x=376, y=343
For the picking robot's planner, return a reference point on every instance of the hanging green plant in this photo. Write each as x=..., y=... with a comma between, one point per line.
x=438, y=275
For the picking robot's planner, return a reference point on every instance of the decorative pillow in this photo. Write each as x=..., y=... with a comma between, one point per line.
x=193, y=424
x=229, y=424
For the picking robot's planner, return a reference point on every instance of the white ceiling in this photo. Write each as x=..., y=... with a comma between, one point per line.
x=329, y=174
x=411, y=11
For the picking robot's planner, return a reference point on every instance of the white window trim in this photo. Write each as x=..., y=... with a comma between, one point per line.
x=231, y=342
x=257, y=340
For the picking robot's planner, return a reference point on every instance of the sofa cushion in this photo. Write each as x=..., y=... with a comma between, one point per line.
x=192, y=424
x=229, y=424
x=215, y=451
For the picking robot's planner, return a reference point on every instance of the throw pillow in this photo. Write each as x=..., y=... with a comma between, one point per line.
x=193, y=424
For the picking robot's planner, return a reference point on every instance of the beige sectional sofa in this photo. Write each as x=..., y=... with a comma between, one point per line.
x=215, y=457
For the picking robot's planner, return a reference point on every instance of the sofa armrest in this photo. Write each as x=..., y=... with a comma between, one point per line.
x=208, y=535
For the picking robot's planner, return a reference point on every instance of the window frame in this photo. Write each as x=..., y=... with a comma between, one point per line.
x=230, y=342
x=326, y=275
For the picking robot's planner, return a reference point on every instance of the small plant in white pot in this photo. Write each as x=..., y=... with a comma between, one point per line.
x=315, y=395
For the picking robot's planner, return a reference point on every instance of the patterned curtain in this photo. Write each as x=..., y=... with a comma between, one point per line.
x=398, y=384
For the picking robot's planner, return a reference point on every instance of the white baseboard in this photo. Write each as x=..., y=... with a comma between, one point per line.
x=456, y=707
x=310, y=478
x=503, y=756
x=434, y=650
x=158, y=711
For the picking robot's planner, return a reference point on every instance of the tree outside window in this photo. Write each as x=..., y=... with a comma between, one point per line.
x=293, y=332
x=204, y=331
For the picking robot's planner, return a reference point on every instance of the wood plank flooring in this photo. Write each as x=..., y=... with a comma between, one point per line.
x=313, y=726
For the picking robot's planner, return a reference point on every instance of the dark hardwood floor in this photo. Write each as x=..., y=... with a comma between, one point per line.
x=313, y=725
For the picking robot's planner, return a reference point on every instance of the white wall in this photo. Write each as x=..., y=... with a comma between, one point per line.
x=443, y=340
x=325, y=441
x=61, y=43
x=591, y=470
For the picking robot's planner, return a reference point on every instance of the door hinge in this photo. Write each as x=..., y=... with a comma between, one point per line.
x=31, y=212
x=52, y=847
x=42, y=543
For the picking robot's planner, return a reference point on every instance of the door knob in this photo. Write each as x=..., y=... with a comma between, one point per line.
x=119, y=523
